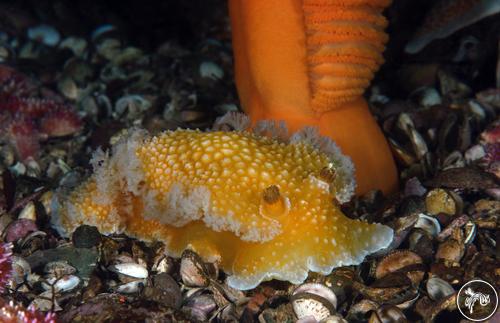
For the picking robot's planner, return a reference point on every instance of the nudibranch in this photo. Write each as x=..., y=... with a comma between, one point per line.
x=308, y=62
x=263, y=206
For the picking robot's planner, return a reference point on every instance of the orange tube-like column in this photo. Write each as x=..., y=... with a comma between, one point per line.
x=308, y=62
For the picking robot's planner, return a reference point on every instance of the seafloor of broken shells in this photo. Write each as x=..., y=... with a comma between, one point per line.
x=439, y=110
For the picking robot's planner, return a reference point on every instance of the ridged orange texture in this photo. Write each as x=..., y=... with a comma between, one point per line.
x=342, y=34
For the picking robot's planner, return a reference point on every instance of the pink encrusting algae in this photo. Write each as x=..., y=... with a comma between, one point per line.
x=491, y=143
x=9, y=311
x=5, y=264
x=15, y=313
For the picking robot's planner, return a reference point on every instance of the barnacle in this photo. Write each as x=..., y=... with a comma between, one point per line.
x=308, y=62
x=262, y=207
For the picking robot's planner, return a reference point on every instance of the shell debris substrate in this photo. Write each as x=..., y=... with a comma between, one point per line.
x=262, y=207
x=448, y=16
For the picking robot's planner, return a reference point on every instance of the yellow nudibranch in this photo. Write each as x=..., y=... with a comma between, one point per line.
x=263, y=205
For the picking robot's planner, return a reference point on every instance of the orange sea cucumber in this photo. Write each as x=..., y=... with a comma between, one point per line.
x=263, y=207
x=308, y=62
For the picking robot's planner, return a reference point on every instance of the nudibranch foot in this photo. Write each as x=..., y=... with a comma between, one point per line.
x=264, y=207
x=284, y=259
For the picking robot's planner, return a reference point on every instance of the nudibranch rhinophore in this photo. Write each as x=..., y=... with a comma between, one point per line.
x=308, y=62
x=262, y=205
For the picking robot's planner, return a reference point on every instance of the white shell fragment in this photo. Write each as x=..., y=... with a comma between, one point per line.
x=211, y=70
x=20, y=269
x=130, y=269
x=427, y=96
x=313, y=300
x=102, y=29
x=130, y=287
x=63, y=284
x=438, y=288
x=45, y=34
x=470, y=232
x=307, y=305
x=134, y=105
x=28, y=212
x=474, y=153
x=317, y=289
x=76, y=44
x=428, y=224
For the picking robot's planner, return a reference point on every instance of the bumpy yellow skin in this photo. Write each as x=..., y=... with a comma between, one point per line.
x=204, y=191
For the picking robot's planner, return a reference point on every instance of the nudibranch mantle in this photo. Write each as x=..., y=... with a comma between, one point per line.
x=264, y=207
